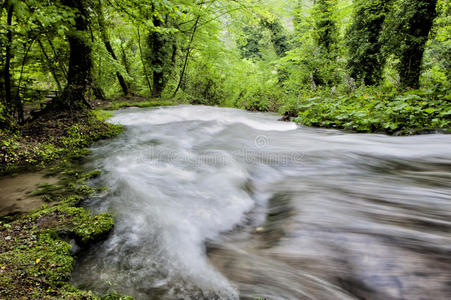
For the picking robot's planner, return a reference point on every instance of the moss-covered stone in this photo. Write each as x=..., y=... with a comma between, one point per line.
x=35, y=254
x=74, y=222
x=35, y=261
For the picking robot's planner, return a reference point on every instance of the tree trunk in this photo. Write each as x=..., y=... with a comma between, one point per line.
x=7, y=67
x=109, y=48
x=79, y=77
x=157, y=84
x=364, y=42
x=56, y=56
x=18, y=101
x=124, y=58
x=146, y=74
x=120, y=78
x=98, y=92
x=157, y=61
x=419, y=26
x=161, y=46
x=188, y=52
x=51, y=66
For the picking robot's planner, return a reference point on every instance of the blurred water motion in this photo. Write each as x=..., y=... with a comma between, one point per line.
x=214, y=203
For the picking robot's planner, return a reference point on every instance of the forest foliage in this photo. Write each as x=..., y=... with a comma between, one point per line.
x=378, y=65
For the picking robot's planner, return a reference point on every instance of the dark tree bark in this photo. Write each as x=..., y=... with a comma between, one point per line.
x=98, y=92
x=156, y=44
x=79, y=78
x=161, y=48
x=120, y=78
x=109, y=48
x=363, y=40
x=418, y=27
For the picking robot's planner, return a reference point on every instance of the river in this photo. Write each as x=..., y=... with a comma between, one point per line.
x=217, y=203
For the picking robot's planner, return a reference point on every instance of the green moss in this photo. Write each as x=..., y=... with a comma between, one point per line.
x=141, y=104
x=116, y=296
x=19, y=152
x=90, y=229
x=45, y=188
x=93, y=174
x=36, y=260
x=35, y=256
x=75, y=222
x=102, y=115
x=34, y=264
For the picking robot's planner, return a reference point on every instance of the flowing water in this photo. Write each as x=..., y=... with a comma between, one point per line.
x=214, y=203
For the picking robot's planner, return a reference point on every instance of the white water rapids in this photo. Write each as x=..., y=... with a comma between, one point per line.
x=216, y=203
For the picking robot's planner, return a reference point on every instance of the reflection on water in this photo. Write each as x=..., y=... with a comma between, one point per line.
x=214, y=203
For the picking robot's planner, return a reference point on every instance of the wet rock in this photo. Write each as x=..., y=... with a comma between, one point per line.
x=286, y=117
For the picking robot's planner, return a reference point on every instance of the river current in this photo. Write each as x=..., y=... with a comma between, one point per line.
x=217, y=203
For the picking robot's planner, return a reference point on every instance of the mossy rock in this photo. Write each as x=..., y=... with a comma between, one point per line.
x=35, y=256
x=75, y=222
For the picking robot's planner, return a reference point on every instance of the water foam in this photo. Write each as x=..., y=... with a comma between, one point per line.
x=225, y=116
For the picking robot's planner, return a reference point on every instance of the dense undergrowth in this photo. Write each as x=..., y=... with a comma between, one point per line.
x=405, y=114
x=363, y=110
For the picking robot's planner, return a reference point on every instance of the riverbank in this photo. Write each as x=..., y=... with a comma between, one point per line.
x=364, y=110
x=38, y=250
x=131, y=101
x=411, y=113
x=51, y=137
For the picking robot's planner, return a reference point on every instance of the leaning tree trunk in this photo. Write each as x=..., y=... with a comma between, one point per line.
x=188, y=52
x=419, y=26
x=109, y=48
x=79, y=78
x=53, y=69
x=119, y=76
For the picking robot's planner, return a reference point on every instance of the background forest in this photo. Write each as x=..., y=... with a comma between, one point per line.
x=379, y=65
